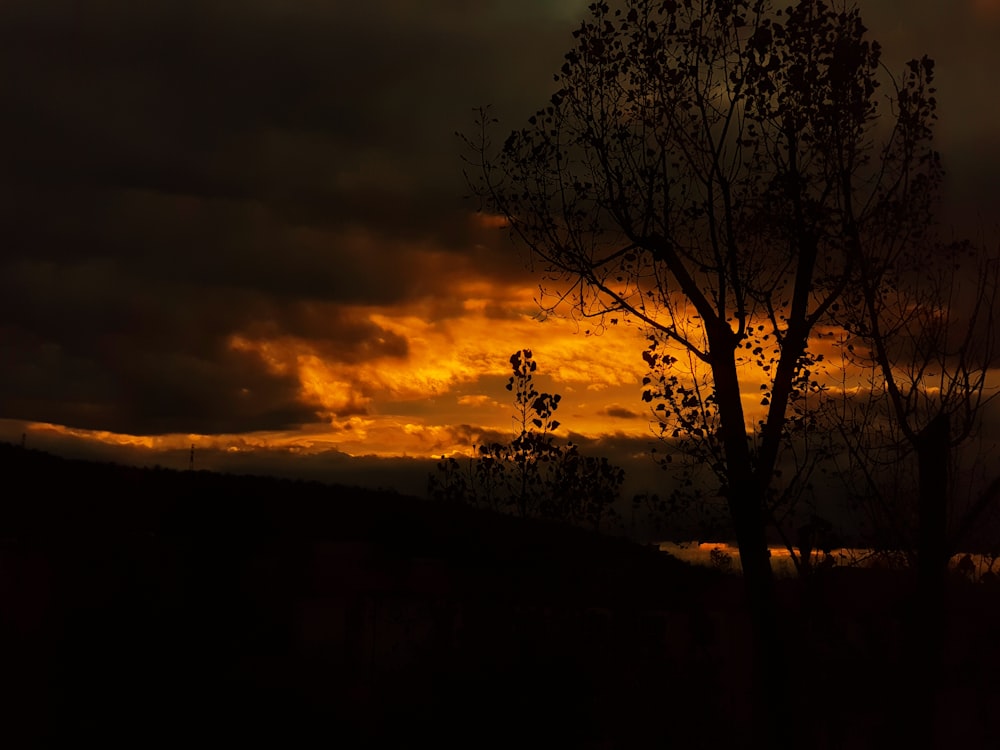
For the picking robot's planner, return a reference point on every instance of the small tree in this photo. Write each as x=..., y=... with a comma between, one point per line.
x=532, y=475
x=532, y=451
x=586, y=489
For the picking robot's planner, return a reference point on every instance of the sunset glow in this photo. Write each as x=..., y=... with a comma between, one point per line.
x=288, y=271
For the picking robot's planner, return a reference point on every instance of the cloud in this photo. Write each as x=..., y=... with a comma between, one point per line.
x=620, y=412
x=478, y=399
x=142, y=390
x=312, y=110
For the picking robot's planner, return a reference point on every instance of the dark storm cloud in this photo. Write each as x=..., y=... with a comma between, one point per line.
x=123, y=387
x=179, y=172
x=961, y=38
x=325, y=114
x=337, y=335
x=89, y=345
x=620, y=412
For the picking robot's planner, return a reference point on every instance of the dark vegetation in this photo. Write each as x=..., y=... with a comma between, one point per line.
x=533, y=475
x=148, y=607
x=748, y=183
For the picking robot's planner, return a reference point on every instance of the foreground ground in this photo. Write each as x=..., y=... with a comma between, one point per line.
x=149, y=608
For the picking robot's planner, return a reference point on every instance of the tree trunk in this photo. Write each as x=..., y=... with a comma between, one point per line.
x=932, y=461
x=745, y=497
x=927, y=631
x=769, y=679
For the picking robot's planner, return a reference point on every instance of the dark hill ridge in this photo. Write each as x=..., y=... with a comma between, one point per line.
x=147, y=604
x=59, y=496
x=149, y=608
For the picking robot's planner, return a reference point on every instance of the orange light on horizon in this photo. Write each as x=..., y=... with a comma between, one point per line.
x=486, y=220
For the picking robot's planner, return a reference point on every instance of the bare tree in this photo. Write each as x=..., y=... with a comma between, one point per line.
x=714, y=171
x=920, y=334
x=918, y=344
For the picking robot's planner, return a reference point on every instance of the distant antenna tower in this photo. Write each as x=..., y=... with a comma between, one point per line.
x=191, y=459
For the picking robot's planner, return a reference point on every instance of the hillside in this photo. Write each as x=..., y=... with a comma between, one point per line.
x=152, y=608
x=56, y=497
x=148, y=601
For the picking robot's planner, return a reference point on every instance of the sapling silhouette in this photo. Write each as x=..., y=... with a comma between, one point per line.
x=533, y=475
x=532, y=450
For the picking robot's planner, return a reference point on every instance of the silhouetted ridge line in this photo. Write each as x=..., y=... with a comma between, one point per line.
x=72, y=496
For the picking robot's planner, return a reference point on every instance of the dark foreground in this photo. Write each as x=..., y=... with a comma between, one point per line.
x=149, y=608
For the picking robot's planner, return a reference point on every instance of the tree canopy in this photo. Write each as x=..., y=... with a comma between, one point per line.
x=724, y=173
x=720, y=172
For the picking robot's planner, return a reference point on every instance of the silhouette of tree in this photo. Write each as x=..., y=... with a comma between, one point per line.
x=532, y=449
x=918, y=338
x=532, y=475
x=584, y=489
x=919, y=332
x=717, y=172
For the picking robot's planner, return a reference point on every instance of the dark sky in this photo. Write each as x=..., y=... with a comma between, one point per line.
x=177, y=172
x=245, y=218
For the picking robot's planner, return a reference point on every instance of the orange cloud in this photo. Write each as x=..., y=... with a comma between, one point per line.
x=453, y=370
x=478, y=399
x=489, y=221
x=441, y=390
x=455, y=366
